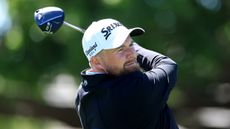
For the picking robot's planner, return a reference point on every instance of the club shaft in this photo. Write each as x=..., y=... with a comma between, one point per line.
x=74, y=27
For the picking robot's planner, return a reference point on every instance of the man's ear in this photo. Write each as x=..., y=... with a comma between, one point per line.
x=96, y=64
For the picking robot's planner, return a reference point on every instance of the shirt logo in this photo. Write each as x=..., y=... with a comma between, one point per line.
x=107, y=30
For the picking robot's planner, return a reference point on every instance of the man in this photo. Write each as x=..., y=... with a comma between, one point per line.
x=126, y=86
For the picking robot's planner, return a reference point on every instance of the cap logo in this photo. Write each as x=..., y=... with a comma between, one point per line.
x=107, y=30
x=91, y=49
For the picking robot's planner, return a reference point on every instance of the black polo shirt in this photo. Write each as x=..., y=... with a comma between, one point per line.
x=137, y=100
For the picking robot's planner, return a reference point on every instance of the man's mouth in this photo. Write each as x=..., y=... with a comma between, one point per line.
x=131, y=65
x=131, y=62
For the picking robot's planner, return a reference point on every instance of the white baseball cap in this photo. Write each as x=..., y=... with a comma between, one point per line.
x=106, y=34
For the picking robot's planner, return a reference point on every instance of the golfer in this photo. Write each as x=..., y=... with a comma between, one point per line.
x=126, y=86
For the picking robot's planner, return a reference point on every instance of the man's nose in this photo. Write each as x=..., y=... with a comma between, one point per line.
x=130, y=52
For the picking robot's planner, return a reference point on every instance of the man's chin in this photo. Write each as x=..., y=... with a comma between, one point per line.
x=126, y=69
x=132, y=68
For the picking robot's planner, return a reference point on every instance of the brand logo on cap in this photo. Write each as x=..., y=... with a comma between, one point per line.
x=91, y=50
x=107, y=30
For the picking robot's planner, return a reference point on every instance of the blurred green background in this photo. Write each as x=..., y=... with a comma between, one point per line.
x=40, y=73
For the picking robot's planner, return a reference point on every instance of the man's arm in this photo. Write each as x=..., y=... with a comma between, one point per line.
x=160, y=70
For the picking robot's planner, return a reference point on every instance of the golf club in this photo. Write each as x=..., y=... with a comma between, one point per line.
x=50, y=19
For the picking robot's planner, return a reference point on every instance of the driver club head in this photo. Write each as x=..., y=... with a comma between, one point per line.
x=49, y=19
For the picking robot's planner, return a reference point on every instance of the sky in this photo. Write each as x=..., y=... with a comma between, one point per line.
x=5, y=22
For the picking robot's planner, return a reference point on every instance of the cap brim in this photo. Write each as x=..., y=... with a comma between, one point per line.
x=136, y=31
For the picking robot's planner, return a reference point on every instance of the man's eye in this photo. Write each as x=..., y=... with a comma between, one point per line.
x=131, y=44
x=120, y=49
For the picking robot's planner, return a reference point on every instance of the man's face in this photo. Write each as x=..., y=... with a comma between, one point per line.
x=120, y=60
